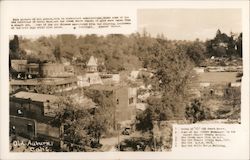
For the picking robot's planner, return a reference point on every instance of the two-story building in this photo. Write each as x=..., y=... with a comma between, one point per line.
x=59, y=85
x=54, y=70
x=31, y=114
x=19, y=65
x=124, y=98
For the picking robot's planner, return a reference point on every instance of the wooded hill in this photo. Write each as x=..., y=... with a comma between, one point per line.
x=119, y=52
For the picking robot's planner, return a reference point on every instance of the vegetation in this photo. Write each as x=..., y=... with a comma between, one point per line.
x=172, y=69
x=197, y=52
x=106, y=105
x=232, y=98
x=225, y=46
x=154, y=140
x=82, y=127
x=141, y=143
x=119, y=52
x=221, y=103
x=197, y=112
x=171, y=61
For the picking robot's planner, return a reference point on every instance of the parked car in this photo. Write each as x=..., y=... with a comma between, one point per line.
x=126, y=131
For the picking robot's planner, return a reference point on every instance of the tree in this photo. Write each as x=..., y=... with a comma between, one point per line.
x=15, y=52
x=239, y=45
x=231, y=47
x=14, y=44
x=145, y=120
x=105, y=113
x=57, y=53
x=223, y=45
x=196, y=52
x=232, y=95
x=172, y=72
x=197, y=112
x=81, y=128
x=218, y=33
x=98, y=125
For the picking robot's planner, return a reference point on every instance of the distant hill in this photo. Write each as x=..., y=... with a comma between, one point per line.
x=119, y=52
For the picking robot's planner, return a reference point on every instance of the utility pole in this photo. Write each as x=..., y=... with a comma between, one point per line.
x=154, y=143
x=118, y=130
x=155, y=129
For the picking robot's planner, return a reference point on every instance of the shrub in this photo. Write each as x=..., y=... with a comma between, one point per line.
x=197, y=112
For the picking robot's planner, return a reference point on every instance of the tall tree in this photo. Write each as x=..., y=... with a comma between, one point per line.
x=196, y=52
x=239, y=45
x=57, y=53
x=14, y=44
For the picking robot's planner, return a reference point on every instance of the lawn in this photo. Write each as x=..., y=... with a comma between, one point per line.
x=217, y=77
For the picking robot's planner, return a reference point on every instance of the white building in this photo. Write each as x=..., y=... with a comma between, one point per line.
x=92, y=76
x=92, y=64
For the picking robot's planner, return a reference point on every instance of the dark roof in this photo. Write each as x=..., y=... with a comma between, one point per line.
x=46, y=81
x=36, y=96
x=19, y=61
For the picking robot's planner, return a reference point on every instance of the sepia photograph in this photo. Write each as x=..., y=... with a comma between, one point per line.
x=124, y=92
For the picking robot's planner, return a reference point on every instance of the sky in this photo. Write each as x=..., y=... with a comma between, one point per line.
x=189, y=24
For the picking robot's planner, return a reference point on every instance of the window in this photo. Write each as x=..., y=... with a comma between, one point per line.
x=117, y=101
x=29, y=127
x=131, y=100
x=19, y=112
x=13, y=129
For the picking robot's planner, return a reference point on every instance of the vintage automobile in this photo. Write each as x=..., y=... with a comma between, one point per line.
x=126, y=131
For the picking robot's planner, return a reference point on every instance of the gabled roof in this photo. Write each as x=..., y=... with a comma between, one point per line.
x=92, y=61
x=19, y=61
x=36, y=96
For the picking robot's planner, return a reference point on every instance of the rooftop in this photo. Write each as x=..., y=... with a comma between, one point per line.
x=20, y=61
x=36, y=96
x=52, y=64
x=42, y=81
x=92, y=61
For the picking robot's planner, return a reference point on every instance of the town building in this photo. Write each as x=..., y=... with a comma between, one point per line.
x=31, y=113
x=54, y=70
x=33, y=69
x=58, y=85
x=109, y=79
x=138, y=74
x=43, y=70
x=19, y=65
x=124, y=98
x=33, y=105
x=92, y=76
x=92, y=64
x=32, y=76
x=89, y=79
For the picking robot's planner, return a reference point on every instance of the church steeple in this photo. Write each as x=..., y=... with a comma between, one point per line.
x=92, y=64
